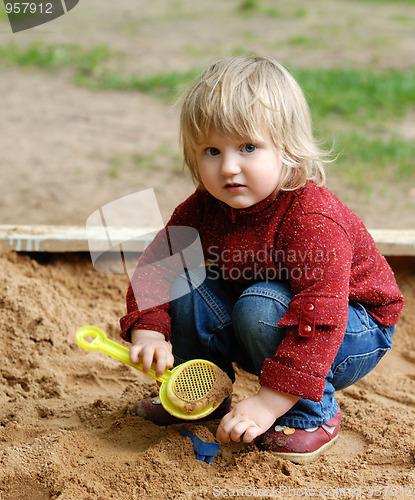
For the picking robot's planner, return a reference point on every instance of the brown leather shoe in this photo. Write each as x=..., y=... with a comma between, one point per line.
x=153, y=410
x=301, y=446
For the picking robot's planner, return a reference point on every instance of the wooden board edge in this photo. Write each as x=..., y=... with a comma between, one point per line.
x=61, y=239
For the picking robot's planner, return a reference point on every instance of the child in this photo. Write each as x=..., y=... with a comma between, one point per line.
x=295, y=290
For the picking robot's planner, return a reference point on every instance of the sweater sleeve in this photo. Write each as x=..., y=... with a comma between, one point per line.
x=174, y=250
x=318, y=258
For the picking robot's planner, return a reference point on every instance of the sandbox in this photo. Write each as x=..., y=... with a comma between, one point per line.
x=67, y=428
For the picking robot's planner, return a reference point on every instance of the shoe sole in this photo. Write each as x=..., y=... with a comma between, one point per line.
x=306, y=458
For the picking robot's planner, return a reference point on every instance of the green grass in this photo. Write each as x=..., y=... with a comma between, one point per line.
x=359, y=111
x=166, y=86
x=299, y=40
x=89, y=71
x=250, y=8
x=55, y=56
x=363, y=160
x=355, y=96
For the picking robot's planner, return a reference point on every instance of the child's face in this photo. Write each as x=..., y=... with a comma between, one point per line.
x=237, y=172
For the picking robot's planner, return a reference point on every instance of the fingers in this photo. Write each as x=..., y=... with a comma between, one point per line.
x=161, y=355
x=135, y=352
x=142, y=354
x=233, y=427
x=147, y=357
x=164, y=359
x=251, y=433
x=223, y=431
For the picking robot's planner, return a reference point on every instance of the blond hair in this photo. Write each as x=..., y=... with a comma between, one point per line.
x=249, y=97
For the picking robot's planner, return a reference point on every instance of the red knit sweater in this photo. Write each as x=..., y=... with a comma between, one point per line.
x=308, y=238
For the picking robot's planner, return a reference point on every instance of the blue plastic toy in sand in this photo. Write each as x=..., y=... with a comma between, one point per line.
x=204, y=451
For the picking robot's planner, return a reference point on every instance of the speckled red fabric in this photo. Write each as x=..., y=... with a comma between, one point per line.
x=308, y=238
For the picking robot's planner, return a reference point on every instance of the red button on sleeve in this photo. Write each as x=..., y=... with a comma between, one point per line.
x=309, y=307
x=307, y=329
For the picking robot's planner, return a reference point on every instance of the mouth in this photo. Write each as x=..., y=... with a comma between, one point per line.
x=234, y=186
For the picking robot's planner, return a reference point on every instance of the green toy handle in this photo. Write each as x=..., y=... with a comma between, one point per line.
x=102, y=343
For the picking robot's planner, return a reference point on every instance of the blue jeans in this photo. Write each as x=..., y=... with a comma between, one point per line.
x=226, y=322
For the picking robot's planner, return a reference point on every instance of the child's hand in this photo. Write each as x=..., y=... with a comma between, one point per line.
x=255, y=415
x=149, y=346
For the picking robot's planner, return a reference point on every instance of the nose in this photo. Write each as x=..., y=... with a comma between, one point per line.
x=230, y=165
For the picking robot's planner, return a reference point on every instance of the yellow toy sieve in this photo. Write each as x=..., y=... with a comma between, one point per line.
x=189, y=391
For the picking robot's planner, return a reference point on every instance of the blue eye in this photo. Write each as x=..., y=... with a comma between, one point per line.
x=248, y=148
x=212, y=151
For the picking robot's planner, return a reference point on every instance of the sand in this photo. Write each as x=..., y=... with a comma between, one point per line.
x=67, y=429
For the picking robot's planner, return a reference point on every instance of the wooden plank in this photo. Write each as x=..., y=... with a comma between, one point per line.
x=394, y=242
x=41, y=238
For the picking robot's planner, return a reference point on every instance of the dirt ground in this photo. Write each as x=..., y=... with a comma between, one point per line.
x=67, y=429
